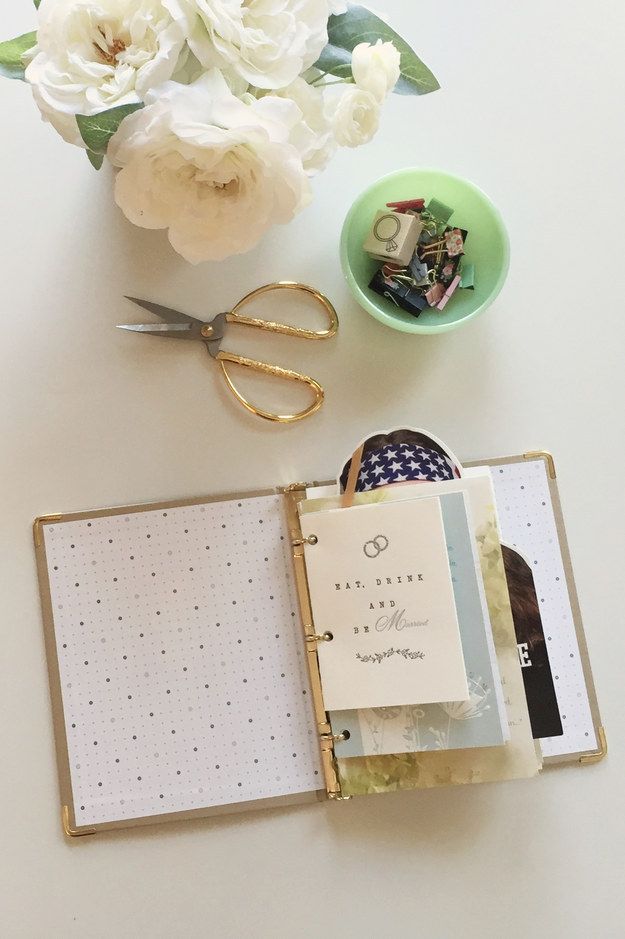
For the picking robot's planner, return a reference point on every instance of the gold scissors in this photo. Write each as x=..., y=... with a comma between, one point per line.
x=181, y=326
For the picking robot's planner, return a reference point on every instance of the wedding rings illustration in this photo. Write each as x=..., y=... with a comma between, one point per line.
x=376, y=546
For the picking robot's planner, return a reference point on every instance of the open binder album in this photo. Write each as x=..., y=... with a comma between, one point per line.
x=313, y=643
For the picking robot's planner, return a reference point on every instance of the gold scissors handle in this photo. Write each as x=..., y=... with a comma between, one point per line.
x=283, y=328
x=277, y=372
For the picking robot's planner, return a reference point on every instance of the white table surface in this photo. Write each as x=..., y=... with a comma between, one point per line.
x=531, y=110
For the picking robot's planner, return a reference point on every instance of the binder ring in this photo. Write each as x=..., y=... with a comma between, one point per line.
x=321, y=637
x=311, y=539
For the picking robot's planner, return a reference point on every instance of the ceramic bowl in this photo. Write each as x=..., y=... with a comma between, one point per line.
x=487, y=247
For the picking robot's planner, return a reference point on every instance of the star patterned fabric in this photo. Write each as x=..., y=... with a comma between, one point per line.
x=402, y=463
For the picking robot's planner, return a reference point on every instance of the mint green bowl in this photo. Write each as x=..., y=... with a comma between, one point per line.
x=487, y=247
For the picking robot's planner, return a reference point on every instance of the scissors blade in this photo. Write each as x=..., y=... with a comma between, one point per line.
x=165, y=312
x=172, y=330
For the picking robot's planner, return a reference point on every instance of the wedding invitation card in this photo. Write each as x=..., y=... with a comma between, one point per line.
x=480, y=721
x=519, y=757
x=380, y=587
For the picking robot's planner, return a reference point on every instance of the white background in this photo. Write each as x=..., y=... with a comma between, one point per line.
x=531, y=110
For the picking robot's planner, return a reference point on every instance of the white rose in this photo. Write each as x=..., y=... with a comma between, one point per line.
x=337, y=6
x=92, y=55
x=356, y=117
x=214, y=170
x=267, y=42
x=312, y=134
x=376, y=68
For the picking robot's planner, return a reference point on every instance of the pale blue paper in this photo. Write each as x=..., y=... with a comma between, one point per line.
x=452, y=725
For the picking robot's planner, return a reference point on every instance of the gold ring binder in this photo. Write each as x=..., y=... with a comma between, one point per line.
x=332, y=766
x=293, y=495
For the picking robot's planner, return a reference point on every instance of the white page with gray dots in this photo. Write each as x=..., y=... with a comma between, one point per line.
x=527, y=521
x=182, y=666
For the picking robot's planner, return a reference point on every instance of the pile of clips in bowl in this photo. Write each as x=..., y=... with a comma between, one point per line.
x=421, y=255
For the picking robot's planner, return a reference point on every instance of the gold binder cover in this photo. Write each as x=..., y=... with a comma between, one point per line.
x=293, y=495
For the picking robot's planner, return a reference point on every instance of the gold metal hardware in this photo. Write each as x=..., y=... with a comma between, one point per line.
x=295, y=487
x=278, y=372
x=333, y=786
x=312, y=539
x=283, y=328
x=69, y=830
x=207, y=331
x=294, y=495
x=601, y=752
x=543, y=455
x=39, y=521
x=275, y=370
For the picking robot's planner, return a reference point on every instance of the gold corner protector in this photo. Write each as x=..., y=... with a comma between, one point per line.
x=601, y=753
x=295, y=487
x=39, y=521
x=543, y=455
x=69, y=830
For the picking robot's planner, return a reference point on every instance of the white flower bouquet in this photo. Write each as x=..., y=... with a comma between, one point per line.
x=214, y=112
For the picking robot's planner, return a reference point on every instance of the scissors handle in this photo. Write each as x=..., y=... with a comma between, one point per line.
x=277, y=372
x=283, y=328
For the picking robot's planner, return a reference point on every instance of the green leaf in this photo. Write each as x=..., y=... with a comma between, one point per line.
x=97, y=129
x=96, y=159
x=346, y=30
x=11, y=52
x=37, y=2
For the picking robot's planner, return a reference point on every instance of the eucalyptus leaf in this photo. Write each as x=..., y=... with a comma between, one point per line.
x=97, y=129
x=11, y=52
x=357, y=25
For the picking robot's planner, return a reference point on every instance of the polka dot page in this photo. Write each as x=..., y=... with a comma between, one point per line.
x=527, y=522
x=181, y=659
